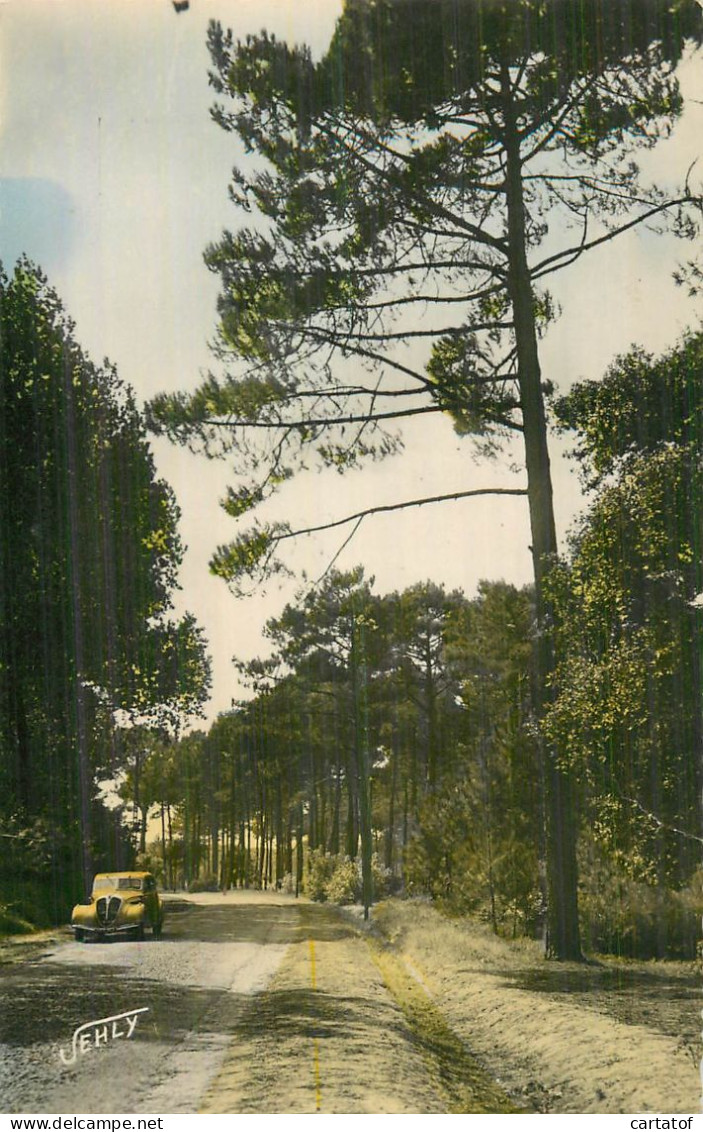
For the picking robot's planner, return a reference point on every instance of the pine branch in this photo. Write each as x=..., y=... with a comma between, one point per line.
x=327, y=422
x=555, y=124
x=339, y=551
x=350, y=336
x=662, y=824
x=386, y=508
x=435, y=209
x=425, y=266
x=563, y=258
x=469, y=297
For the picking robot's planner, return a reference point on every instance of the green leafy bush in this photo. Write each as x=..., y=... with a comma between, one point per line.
x=344, y=886
x=13, y=924
x=337, y=878
x=627, y=917
x=382, y=878
x=205, y=883
x=320, y=867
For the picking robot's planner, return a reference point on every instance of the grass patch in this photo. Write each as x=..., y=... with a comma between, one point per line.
x=467, y=1085
x=12, y=924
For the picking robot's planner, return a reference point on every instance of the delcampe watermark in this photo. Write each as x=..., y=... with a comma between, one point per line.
x=101, y=1032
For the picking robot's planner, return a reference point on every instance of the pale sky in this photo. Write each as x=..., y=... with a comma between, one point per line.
x=114, y=179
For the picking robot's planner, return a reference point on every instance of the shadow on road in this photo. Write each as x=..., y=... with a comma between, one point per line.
x=54, y=999
x=257, y=923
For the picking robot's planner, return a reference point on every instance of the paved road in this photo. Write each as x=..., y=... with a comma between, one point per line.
x=196, y=983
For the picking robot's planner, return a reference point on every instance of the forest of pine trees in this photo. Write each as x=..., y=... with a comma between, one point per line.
x=403, y=727
x=529, y=756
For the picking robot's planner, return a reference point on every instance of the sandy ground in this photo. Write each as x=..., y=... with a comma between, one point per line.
x=262, y=1004
x=550, y=1033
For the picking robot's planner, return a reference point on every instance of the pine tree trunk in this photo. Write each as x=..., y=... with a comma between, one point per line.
x=358, y=675
x=563, y=939
x=163, y=842
x=352, y=836
x=299, y=853
x=169, y=830
x=390, y=833
x=334, y=833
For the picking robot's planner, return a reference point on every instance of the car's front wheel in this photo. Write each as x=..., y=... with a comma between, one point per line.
x=79, y=935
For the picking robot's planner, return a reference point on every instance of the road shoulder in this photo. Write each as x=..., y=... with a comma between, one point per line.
x=537, y=1028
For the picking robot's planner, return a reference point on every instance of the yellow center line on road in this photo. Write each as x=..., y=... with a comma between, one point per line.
x=315, y=1043
x=311, y=944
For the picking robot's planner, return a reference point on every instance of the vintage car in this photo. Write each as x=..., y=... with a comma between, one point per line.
x=120, y=904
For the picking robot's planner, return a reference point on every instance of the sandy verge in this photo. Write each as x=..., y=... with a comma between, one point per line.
x=563, y=1058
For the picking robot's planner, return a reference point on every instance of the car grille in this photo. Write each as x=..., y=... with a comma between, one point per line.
x=107, y=908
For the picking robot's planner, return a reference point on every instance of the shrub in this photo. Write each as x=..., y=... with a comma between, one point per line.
x=13, y=924
x=151, y=862
x=416, y=868
x=622, y=916
x=344, y=886
x=320, y=867
x=337, y=878
x=383, y=879
x=205, y=883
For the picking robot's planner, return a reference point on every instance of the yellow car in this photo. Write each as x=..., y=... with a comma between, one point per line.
x=120, y=904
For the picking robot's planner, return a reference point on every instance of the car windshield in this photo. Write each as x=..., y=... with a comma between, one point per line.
x=109, y=884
